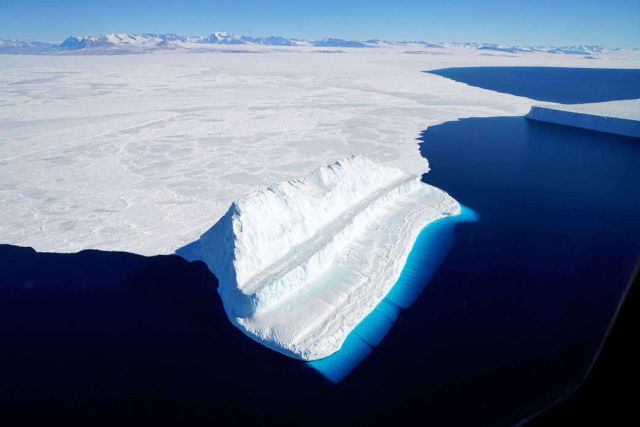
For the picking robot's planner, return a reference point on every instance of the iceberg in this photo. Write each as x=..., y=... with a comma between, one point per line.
x=301, y=263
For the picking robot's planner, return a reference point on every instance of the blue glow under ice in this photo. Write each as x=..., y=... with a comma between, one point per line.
x=428, y=252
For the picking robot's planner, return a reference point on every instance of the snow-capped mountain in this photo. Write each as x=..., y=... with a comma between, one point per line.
x=275, y=41
x=140, y=43
x=133, y=41
x=224, y=38
x=150, y=42
x=566, y=50
x=331, y=42
x=20, y=46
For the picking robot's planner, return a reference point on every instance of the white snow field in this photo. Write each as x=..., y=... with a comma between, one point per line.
x=301, y=263
x=618, y=117
x=143, y=153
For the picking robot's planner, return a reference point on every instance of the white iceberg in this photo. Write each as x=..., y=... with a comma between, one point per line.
x=301, y=263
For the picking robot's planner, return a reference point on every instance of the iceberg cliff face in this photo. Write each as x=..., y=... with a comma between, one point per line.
x=617, y=117
x=301, y=263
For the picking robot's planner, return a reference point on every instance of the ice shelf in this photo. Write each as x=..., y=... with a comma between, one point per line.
x=301, y=263
x=617, y=117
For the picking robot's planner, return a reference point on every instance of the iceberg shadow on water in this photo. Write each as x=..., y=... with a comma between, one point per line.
x=429, y=250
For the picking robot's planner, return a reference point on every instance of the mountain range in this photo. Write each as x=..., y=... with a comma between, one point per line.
x=150, y=42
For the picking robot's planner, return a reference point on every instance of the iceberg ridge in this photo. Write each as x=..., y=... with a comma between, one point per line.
x=301, y=263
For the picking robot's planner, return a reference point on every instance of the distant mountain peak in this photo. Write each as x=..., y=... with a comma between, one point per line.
x=119, y=43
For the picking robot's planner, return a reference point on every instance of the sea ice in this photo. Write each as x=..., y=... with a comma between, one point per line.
x=142, y=153
x=301, y=263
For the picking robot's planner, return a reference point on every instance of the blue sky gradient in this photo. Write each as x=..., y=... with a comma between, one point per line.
x=613, y=23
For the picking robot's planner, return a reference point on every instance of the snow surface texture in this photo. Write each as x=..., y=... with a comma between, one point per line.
x=619, y=117
x=143, y=153
x=301, y=263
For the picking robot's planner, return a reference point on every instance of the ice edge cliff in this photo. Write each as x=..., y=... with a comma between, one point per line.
x=601, y=117
x=301, y=263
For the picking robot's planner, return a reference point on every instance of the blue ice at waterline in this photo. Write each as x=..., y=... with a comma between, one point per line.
x=429, y=250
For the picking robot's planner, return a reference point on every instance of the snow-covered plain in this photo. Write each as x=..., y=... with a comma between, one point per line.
x=301, y=263
x=143, y=153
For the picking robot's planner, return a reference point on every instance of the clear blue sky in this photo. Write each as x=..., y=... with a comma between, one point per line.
x=613, y=23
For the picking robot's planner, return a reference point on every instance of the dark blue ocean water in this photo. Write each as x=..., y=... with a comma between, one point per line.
x=539, y=277
x=564, y=85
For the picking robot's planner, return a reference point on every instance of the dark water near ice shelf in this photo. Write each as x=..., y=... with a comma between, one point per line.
x=554, y=84
x=541, y=275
